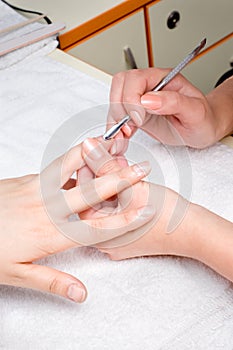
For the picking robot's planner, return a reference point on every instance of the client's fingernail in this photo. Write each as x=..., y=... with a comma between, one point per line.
x=90, y=144
x=142, y=169
x=75, y=293
x=113, y=149
x=146, y=211
x=93, y=149
x=136, y=118
x=151, y=100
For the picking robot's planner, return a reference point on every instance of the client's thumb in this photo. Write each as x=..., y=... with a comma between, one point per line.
x=49, y=280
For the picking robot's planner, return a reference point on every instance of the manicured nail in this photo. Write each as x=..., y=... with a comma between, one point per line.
x=127, y=130
x=93, y=149
x=142, y=169
x=151, y=100
x=146, y=211
x=90, y=144
x=75, y=293
x=136, y=118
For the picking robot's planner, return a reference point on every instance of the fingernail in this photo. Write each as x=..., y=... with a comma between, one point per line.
x=136, y=118
x=146, y=211
x=142, y=169
x=151, y=100
x=75, y=293
x=93, y=149
x=127, y=130
x=113, y=149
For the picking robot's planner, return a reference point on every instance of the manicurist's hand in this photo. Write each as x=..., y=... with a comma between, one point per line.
x=180, y=114
x=178, y=227
x=35, y=221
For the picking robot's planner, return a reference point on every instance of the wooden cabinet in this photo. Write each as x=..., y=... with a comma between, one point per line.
x=98, y=32
x=105, y=50
x=197, y=19
x=193, y=20
x=156, y=43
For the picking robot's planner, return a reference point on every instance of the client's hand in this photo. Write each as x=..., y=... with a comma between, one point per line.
x=36, y=221
x=177, y=227
x=150, y=239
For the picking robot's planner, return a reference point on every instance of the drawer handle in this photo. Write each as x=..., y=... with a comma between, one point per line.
x=129, y=57
x=173, y=19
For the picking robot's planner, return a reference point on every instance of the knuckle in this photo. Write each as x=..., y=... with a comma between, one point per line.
x=135, y=73
x=15, y=274
x=99, y=231
x=117, y=80
x=18, y=274
x=94, y=235
x=176, y=101
x=118, y=77
x=54, y=285
x=108, y=167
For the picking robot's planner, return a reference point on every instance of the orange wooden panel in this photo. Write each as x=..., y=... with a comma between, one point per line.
x=99, y=22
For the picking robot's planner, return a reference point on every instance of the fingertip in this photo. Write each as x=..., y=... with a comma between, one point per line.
x=120, y=144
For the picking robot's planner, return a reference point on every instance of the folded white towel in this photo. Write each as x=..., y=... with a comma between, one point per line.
x=151, y=303
x=9, y=17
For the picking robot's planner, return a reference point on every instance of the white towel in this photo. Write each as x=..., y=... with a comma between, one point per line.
x=146, y=303
x=9, y=17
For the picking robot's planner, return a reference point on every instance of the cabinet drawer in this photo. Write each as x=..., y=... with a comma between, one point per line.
x=206, y=70
x=198, y=19
x=105, y=49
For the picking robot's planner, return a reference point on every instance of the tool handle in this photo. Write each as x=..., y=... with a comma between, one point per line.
x=180, y=66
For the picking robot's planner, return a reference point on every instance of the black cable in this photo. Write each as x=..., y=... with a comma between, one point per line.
x=47, y=19
x=225, y=76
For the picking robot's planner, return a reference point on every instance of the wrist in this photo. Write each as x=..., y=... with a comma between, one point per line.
x=213, y=241
x=184, y=239
x=206, y=237
x=220, y=102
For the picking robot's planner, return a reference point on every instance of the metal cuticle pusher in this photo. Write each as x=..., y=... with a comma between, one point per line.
x=109, y=134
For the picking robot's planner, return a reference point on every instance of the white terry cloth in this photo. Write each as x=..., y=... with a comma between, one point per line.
x=147, y=303
x=9, y=17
